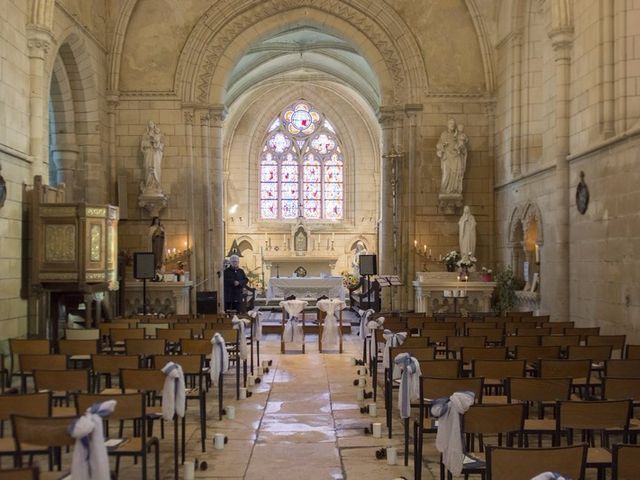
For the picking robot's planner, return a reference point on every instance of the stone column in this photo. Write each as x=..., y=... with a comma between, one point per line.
x=490, y=109
x=607, y=79
x=385, y=226
x=39, y=40
x=218, y=200
x=113, y=100
x=192, y=238
x=65, y=158
x=561, y=40
x=207, y=249
x=412, y=187
x=516, y=83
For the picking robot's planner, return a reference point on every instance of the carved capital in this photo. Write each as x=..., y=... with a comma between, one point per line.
x=188, y=117
x=386, y=116
x=205, y=118
x=39, y=40
x=113, y=100
x=218, y=114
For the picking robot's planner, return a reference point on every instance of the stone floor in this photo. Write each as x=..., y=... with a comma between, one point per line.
x=302, y=421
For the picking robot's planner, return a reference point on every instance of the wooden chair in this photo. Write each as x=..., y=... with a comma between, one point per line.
x=431, y=389
x=531, y=355
x=595, y=353
x=495, y=372
x=420, y=354
x=82, y=334
x=321, y=317
x=150, y=382
x=78, y=352
x=64, y=384
x=21, y=346
x=504, y=463
x=108, y=366
x=562, y=341
x=536, y=394
x=622, y=368
x=632, y=352
x=469, y=354
x=626, y=462
x=285, y=317
x=31, y=404
x=437, y=336
x=454, y=345
x=489, y=420
x=557, y=328
x=441, y=368
x=193, y=369
x=495, y=336
x=151, y=329
x=579, y=371
x=29, y=363
x=129, y=407
x=616, y=342
x=589, y=418
x=145, y=348
x=527, y=331
x=28, y=473
x=50, y=434
x=512, y=342
x=584, y=332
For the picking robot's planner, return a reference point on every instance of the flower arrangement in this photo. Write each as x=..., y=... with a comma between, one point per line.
x=467, y=262
x=349, y=280
x=486, y=274
x=451, y=259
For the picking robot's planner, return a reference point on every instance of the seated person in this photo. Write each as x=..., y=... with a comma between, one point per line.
x=235, y=280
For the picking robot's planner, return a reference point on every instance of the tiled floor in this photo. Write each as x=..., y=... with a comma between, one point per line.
x=302, y=422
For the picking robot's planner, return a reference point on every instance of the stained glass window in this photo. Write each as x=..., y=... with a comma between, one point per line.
x=301, y=167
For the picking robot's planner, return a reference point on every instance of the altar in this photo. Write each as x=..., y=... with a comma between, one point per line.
x=443, y=292
x=162, y=297
x=313, y=265
x=306, y=287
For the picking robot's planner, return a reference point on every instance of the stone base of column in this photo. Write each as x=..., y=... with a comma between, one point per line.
x=153, y=203
x=449, y=203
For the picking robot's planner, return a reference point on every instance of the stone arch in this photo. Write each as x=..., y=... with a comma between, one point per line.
x=279, y=96
x=219, y=39
x=74, y=102
x=515, y=222
x=117, y=43
x=530, y=214
x=350, y=244
x=486, y=47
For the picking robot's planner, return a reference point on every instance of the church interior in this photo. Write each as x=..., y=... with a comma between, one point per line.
x=314, y=219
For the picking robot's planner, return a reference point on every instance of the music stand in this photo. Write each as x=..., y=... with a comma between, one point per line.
x=144, y=268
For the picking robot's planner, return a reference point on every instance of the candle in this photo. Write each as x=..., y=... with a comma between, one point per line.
x=231, y=412
x=392, y=455
x=424, y=248
x=429, y=252
x=218, y=441
x=415, y=244
x=373, y=410
x=251, y=381
x=377, y=430
x=189, y=470
x=243, y=393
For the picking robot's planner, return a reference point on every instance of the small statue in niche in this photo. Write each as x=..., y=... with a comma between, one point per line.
x=300, y=240
x=467, y=234
x=152, y=148
x=156, y=235
x=355, y=263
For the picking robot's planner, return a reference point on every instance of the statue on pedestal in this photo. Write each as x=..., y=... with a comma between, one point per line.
x=355, y=263
x=451, y=149
x=152, y=147
x=467, y=234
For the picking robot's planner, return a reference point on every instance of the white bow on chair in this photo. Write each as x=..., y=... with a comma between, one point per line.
x=407, y=368
x=330, y=330
x=392, y=340
x=373, y=325
x=219, y=362
x=257, y=316
x=173, y=392
x=292, y=329
x=90, y=459
x=449, y=438
x=364, y=318
x=240, y=324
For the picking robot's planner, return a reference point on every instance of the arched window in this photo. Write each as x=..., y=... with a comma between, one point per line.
x=301, y=167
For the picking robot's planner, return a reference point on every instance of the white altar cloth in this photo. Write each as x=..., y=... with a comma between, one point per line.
x=307, y=287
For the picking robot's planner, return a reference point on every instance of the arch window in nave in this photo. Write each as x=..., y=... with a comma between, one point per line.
x=301, y=167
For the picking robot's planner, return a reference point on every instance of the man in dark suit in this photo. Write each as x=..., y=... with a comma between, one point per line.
x=234, y=282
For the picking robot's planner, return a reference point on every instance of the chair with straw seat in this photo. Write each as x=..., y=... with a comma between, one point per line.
x=129, y=407
x=504, y=463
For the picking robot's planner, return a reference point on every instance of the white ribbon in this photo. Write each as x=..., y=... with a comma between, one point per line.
x=330, y=330
x=219, y=362
x=548, y=476
x=371, y=326
x=239, y=324
x=174, y=391
x=407, y=368
x=292, y=329
x=90, y=459
x=257, y=317
x=449, y=436
x=364, y=318
x=392, y=340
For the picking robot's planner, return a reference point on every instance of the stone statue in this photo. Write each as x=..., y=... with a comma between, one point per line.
x=452, y=152
x=152, y=149
x=300, y=240
x=156, y=235
x=467, y=233
x=355, y=263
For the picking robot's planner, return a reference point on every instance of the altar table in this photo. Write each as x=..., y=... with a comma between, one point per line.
x=306, y=287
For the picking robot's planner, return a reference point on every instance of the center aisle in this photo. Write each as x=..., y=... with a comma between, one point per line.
x=302, y=422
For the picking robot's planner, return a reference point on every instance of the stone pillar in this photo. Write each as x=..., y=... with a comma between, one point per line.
x=218, y=199
x=607, y=80
x=65, y=158
x=385, y=226
x=412, y=188
x=561, y=40
x=39, y=40
x=490, y=109
x=207, y=249
x=113, y=100
x=516, y=123
x=192, y=218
